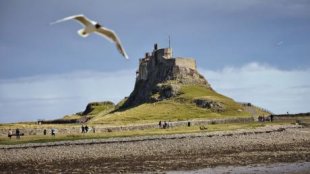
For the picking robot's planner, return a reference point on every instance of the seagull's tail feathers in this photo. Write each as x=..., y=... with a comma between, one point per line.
x=82, y=33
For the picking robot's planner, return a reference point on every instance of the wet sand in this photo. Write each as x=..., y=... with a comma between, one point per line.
x=171, y=153
x=276, y=168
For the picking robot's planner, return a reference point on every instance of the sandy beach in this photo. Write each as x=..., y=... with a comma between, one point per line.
x=267, y=145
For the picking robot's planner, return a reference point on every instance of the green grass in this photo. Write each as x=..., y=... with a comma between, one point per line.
x=175, y=109
x=174, y=130
x=150, y=113
x=36, y=126
x=101, y=110
x=193, y=91
x=72, y=117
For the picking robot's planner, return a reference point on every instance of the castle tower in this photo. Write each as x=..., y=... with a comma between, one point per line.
x=161, y=67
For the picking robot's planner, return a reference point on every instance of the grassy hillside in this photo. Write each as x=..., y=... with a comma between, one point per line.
x=99, y=108
x=180, y=107
x=93, y=109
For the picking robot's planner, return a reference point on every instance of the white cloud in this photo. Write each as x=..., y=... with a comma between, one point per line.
x=52, y=96
x=276, y=90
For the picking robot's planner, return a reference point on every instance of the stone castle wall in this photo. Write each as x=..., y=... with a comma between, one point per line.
x=142, y=71
x=186, y=63
x=162, y=57
x=163, y=53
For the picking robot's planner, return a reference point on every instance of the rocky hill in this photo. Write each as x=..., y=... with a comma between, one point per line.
x=169, y=88
x=160, y=77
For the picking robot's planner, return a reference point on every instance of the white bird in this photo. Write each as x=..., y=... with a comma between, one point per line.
x=92, y=26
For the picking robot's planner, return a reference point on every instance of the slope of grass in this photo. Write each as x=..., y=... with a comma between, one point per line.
x=192, y=91
x=72, y=117
x=153, y=112
x=178, y=108
x=100, y=108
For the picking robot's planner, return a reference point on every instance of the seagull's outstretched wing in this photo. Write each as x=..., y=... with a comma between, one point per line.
x=111, y=36
x=81, y=18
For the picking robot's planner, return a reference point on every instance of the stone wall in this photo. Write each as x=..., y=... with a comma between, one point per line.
x=142, y=71
x=185, y=62
x=100, y=129
x=164, y=53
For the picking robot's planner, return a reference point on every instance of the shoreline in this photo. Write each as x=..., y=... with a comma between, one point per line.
x=275, y=168
x=183, y=153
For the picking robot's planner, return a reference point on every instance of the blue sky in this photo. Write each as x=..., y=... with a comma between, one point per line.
x=251, y=50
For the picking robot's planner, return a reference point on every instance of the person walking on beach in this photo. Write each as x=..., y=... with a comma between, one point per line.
x=10, y=133
x=83, y=129
x=86, y=129
x=44, y=132
x=159, y=124
x=17, y=132
x=165, y=125
x=53, y=132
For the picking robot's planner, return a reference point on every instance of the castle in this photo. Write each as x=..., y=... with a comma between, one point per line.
x=162, y=57
x=161, y=74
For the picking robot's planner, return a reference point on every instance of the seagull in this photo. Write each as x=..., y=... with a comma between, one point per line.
x=94, y=27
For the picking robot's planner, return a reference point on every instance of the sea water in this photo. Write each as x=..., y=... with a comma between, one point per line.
x=278, y=168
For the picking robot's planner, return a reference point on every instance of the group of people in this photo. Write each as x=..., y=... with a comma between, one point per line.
x=17, y=133
x=85, y=129
x=164, y=125
x=263, y=119
x=53, y=132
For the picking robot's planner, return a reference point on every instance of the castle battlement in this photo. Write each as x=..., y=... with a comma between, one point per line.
x=162, y=57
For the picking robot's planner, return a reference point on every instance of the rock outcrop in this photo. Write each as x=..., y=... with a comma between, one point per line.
x=210, y=104
x=91, y=107
x=160, y=75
